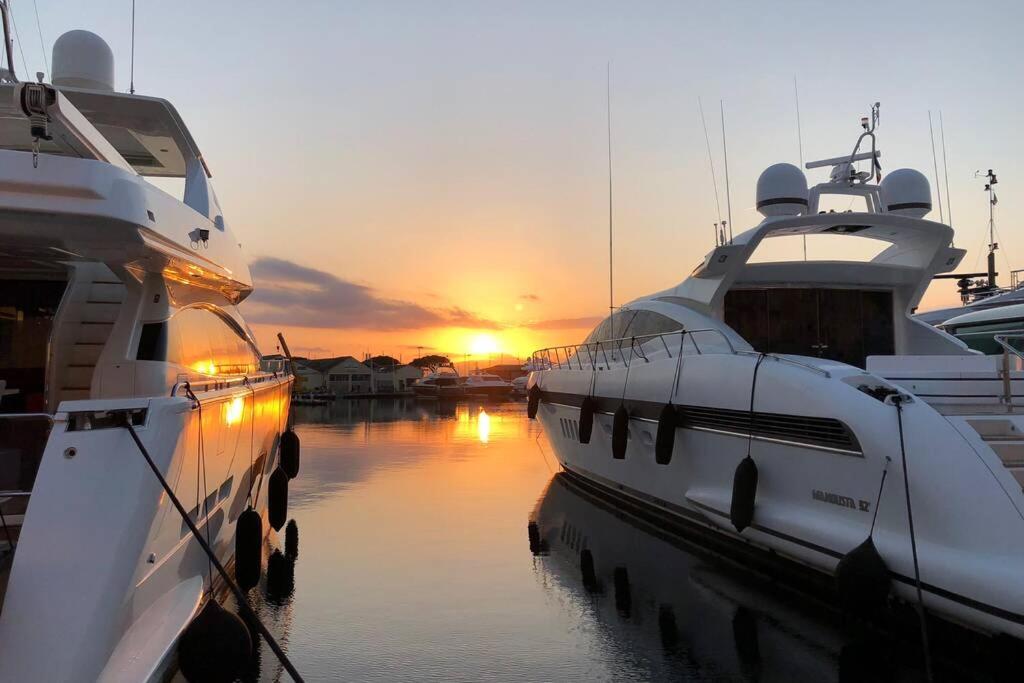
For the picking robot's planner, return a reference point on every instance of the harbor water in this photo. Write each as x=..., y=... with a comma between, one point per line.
x=438, y=542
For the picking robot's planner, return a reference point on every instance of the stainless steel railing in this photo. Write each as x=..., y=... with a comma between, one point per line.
x=217, y=383
x=598, y=351
x=571, y=356
x=1004, y=341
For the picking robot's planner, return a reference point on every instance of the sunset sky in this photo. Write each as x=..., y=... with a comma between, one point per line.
x=434, y=175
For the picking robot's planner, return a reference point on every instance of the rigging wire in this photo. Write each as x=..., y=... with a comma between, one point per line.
x=800, y=143
x=935, y=165
x=945, y=169
x=17, y=37
x=131, y=67
x=42, y=43
x=711, y=162
x=725, y=161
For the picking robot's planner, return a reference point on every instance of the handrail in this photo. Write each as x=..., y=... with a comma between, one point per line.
x=593, y=349
x=1004, y=341
x=216, y=384
x=543, y=357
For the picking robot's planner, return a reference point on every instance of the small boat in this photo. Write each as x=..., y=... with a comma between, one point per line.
x=797, y=409
x=135, y=390
x=310, y=399
x=441, y=382
x=485, y=385
x=519, y=385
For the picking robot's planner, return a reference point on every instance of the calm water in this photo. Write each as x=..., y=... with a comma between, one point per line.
x=414, y=563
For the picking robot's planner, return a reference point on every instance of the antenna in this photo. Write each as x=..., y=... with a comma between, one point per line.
x=42, y=43
x=945, y=169
x=131, y=68
x=800, y=143
x=990, y=182
x=935, y=164
x=725, y=159
x=608, y=99
x=711, y=163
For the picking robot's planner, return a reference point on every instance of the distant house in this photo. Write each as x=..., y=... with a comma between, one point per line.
x=346, y=375
x=311, y=375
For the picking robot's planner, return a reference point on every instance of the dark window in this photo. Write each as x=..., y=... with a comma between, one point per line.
x=153, y=342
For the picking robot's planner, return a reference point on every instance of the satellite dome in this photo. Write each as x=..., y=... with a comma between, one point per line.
x=906, y=192
x=782, y=191
x=81, y=59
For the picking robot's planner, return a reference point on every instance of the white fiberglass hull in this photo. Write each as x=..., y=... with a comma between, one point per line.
x=819, y=477
x=106, y=574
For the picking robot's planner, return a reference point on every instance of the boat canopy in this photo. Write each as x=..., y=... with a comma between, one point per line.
x=146, y=131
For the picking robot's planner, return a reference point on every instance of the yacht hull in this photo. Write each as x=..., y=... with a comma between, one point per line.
x=816, y=494
x=106, y=568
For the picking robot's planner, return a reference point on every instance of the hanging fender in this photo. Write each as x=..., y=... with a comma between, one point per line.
x=248, y=546
x=620, y=432
x=532, y=401
x=277, y=499
x=744, y=491
x=665, y=439
x=215, y=646
x=862, y=579
x=290, y=453
x=587, y=409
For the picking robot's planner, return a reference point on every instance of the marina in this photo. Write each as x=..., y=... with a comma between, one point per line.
x=442, y=376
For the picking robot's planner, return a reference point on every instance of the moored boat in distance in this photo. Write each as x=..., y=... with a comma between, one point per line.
x=121, y=320
x=482, y=384
x=799, y=409
x=440, y=382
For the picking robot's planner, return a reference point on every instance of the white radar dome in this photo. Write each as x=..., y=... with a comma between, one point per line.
x=906, y=192
x=782, y=191
x=82, y=59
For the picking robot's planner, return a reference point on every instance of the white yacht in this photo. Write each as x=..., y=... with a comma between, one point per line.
x=118, y=318
x=441, y=382
x=797, y=408
x=486, y=385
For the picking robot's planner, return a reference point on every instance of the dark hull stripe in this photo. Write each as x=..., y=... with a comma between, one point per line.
x=825, y=432
x=686, y=516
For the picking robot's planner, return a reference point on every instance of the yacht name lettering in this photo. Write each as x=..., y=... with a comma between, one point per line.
x=841, y=501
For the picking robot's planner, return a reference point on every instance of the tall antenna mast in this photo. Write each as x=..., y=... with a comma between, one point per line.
x=131, y=70
x=945, y=169
x=990, y=183
x=935, y=165
x=800, y=143
x=725, y=159
x=608, y=100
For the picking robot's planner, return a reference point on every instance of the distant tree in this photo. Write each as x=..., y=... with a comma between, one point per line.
x=382, y=361
x=432, y=362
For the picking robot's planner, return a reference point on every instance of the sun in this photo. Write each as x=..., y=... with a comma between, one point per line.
x=483, y=344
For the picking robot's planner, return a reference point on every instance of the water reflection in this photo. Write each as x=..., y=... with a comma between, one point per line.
x=662, y=606
x=414, y=567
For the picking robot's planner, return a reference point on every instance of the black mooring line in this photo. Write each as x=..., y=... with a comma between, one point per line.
x=239, y=596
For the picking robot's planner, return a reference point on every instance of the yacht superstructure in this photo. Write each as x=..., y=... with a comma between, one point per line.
x=118, y=305
x=798, y=407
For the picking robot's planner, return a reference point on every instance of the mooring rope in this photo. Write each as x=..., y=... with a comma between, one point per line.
x=922, y=617
x=239, y=596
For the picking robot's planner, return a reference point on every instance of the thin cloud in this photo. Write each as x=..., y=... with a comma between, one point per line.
x=529, y=297
x=291, y=294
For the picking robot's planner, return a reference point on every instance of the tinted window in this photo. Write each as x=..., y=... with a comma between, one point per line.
x=613, y=327
x=649, y=322
x=201, y=340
